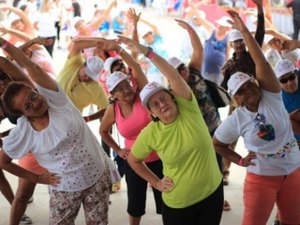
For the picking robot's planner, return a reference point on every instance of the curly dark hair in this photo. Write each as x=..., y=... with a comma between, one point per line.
x=11, y=91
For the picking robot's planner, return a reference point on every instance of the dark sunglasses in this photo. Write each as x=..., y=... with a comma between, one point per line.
x=285, y=80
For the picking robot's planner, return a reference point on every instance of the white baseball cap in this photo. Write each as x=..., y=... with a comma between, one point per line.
x=75, y=20
x=235, y=35
x=114, y=79
x=144, y=29
x=149, y=90
x=94, y=65
x=175, y=62
x=108, y=62
x=236, y=81
x=12, y=18
x=283, y=67
x=223, y=21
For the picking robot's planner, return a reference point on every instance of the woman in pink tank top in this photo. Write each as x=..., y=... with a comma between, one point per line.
x=130, y=117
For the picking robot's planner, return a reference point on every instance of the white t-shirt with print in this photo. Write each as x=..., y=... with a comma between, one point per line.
x=66, y=147
x=268, y=132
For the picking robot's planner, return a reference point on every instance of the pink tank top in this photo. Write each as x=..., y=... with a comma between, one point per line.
x=131, y=126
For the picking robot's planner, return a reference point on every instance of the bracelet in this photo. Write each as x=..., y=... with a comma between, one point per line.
x=241, y=161
x=134, y=29
x=4, y=44
x=87, y=119
x=150, y=53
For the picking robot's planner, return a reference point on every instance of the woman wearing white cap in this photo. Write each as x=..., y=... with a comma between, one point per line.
x=130, y=117
x=192, y=184
x=288, y=77
x=273, y=173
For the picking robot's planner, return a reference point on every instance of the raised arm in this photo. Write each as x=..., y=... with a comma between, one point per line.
x=17, y=33
x=34, y=71
x=98, y=21
x=137, y=71
x=197, y=55
x=152, y=25
x=14, y=72
x=178, y=85
x=260, y=28
x=22, y=15
x=36, y=43
x=81, y=43
x=264, y=72
x=204, y=22
x=131, y=14
x=290, y=45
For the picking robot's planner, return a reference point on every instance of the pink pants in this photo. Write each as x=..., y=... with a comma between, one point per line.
x=262, y=192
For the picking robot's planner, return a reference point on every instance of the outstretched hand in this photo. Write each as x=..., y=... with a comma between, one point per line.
x=183, y=24
x=48, y=178
x=133, y=45
x=108, y=45
x=132, y=15
x=290, y=45
x=237, y=22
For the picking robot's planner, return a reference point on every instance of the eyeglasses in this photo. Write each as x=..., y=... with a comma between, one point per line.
x=289, y=78
x=33, y=96
x=155, y=105
x=123, y=87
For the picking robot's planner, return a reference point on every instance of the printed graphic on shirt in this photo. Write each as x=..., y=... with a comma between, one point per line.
x=282, y=153
x=265, y=131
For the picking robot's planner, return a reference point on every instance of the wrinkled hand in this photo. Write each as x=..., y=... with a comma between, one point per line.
x=289, y=45
x=165, y=184
x=123, y=153
x=133, y=45
x=131, y=14
x=105, y=44
x=183, y=24
x=44, y=41
x=48, y=178
x=237, y=22
x=248, y=158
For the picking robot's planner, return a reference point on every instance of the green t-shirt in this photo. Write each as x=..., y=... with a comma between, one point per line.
x=186, y=150
x=81, y=94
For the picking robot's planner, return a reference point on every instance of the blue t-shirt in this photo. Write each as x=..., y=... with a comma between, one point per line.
x=214, y=54
x=292, y=102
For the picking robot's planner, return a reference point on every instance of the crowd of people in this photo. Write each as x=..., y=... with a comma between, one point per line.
x=174, y=139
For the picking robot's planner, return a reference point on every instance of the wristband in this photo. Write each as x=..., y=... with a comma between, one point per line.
x=4, y=44
x=241, y=161
x=190, y=30
x=135, y=29
x=87, y=119
x=150, y=54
